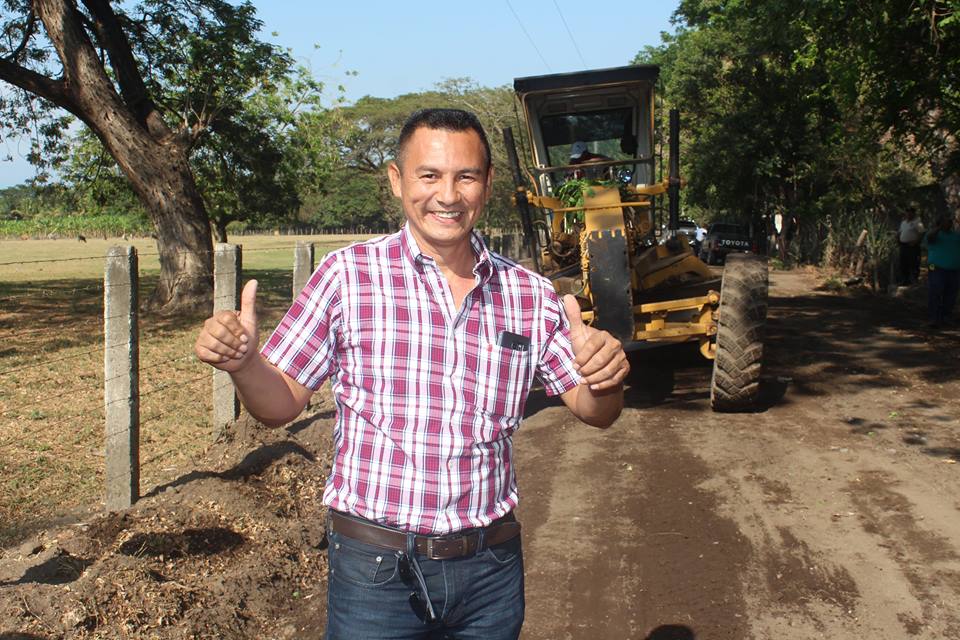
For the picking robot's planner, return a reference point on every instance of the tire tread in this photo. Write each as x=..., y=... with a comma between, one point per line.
x=735, y=385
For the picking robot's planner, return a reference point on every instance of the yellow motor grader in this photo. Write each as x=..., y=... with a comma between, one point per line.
x=588, y=195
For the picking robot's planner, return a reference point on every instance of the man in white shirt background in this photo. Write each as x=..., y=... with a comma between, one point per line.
x=910, y=235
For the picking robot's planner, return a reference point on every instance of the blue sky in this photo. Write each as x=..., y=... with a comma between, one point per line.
x=398, y=47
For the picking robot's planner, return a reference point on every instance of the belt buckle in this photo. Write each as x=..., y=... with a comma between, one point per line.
x=462, y=539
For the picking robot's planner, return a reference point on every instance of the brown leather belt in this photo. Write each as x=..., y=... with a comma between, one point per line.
x=446, y=547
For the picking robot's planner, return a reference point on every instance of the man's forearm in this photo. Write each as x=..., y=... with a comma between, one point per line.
x=598, y=408
x=270, y=396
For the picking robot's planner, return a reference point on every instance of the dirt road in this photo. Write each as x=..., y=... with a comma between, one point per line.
x=831, y=513
x=834, y=513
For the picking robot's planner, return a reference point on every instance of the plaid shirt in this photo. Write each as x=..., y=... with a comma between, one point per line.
x=426, y=399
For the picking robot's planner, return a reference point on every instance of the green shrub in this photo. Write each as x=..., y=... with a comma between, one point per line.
x=106, y=225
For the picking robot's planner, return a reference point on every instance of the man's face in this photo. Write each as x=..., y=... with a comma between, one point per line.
x=443, y=185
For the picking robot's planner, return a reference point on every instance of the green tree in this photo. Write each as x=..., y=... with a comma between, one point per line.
x=94, y=180
x=894, y=65
x=149, y=81
x=268, y=156
x=773, y=112
x=253, y=166
x=29, y=200
x=350, y=198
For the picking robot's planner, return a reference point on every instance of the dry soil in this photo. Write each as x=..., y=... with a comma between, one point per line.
x=832, y=512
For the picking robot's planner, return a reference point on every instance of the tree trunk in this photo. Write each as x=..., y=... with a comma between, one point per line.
x=220, y=229
x=950, y=187
x=163, y=181
x=944, y=161
x=154, y=159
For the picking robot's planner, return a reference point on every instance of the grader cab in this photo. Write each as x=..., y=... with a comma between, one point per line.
x=589, y=197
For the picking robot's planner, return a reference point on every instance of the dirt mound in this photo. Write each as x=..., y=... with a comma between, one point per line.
x=234, y=550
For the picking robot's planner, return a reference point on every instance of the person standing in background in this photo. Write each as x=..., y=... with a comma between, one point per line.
x=943, y=271
x=698, y=237
x=910, y=235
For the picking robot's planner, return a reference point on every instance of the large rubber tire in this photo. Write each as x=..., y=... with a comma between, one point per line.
x=735, y=385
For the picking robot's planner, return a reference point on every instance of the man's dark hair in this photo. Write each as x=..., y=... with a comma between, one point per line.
x=446, y=119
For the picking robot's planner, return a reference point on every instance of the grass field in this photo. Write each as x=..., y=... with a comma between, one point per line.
x=51, y=373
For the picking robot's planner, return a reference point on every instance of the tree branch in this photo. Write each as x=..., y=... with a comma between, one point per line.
x=27, y=34
x=132, y=87
x=40, y=85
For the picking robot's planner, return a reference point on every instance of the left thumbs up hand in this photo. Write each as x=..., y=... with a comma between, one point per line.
x=598, y=356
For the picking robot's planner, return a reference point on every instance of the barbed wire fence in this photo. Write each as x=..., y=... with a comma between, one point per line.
x=51, y=376
x=90, y=390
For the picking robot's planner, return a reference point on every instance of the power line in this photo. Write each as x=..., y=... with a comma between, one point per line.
x=570, y=33
x=532, y=43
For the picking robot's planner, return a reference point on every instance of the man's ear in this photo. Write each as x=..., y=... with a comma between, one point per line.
x=393, y=172
x=489, y=182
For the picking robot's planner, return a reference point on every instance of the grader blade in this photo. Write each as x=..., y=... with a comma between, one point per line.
x=610, y=282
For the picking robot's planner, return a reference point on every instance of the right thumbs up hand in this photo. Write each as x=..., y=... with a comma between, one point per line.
x=229, y=339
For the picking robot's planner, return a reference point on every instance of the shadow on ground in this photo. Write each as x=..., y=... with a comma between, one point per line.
x=252, y=465
x=671, y=632
x=856, y=339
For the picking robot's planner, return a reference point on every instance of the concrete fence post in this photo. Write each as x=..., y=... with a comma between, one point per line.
x=121, y=377
x=303, y=256
x=227, y=272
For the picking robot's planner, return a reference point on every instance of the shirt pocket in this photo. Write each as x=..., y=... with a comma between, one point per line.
x=504, y=382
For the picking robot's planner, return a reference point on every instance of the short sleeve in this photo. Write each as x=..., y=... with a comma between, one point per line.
x=304, y=344
x=555, y=366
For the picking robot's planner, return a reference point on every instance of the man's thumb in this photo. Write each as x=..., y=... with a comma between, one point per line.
x=572, y=308
x=248, y=304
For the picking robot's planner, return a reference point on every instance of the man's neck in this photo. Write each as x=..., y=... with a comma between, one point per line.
x=456, y=266
x=456, y=260
x=457, y=263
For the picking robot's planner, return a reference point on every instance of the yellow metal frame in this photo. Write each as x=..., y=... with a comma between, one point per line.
x=555, y=204
x=603, y=210
x=656, y=327
x=689, y=264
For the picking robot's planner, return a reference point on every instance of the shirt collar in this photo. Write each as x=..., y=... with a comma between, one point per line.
x=483, y=268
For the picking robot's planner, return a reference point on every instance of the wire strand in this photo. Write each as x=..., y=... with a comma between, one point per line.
x=570, y=33
x=49, y=428
x=34, y=406
x=532, y=43
x=49, y=362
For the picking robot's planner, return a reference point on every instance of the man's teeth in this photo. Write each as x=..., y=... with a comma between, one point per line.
x=447, y=214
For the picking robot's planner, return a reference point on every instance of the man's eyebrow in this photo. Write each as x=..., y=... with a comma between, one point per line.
x=469, y=170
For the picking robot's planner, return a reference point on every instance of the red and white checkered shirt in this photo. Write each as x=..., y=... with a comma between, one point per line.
x=426, y=398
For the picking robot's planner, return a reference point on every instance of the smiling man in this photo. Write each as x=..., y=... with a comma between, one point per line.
x=432, y=344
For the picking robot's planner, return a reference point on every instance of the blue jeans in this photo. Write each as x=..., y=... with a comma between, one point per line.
x=372, y=594
x=943, y=285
